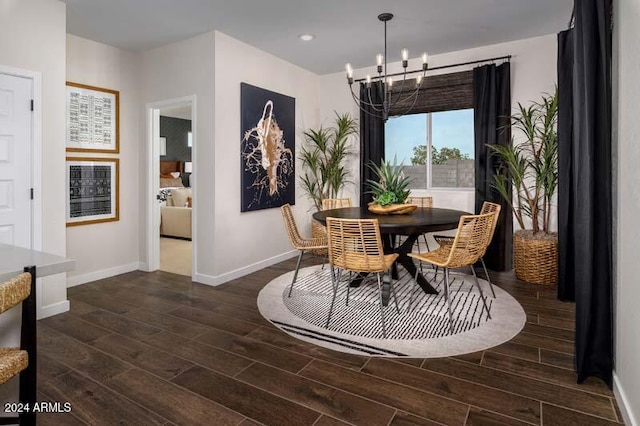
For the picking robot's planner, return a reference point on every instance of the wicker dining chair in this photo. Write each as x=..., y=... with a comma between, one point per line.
x=468, y=245
x=13, y=360
x=355, y=245
x=423, y=202
x=299, y=243
x=335, y=203
x=487, y=207
x=318, y=229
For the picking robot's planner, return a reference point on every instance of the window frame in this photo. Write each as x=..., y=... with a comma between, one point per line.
x=429, y=165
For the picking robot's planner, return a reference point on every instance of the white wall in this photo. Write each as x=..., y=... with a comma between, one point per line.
x=100, y=65
x=174, y=71
x=32, y=37
x=252, y=238
x=627, y=152
x=533, y=71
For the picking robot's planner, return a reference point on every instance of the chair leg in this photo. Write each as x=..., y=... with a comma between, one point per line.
x=384, y=329
x=295, y=274
x=486, y=274
x=448, y=297
x=415, y=287
x=325, y=258
x=334, y=284
x=426, y=243
x=393, y=291
x=484, y=301
x=419, y=252
x=348, y=287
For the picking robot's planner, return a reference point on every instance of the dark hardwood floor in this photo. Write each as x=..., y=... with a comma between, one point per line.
x=154, y=348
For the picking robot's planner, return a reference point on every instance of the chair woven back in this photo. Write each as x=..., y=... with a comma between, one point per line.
x=355, y=244
x=292, y=229
x=488, y=207
x=335, y=203
x=14, y=291
x=421, y=201
x=471, y=239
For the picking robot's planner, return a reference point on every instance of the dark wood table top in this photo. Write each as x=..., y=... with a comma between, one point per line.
x=417, y=222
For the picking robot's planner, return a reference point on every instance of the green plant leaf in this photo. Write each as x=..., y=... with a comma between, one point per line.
x=324, y=156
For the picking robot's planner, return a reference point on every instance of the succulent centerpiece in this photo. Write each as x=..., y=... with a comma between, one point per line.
x=391, y=191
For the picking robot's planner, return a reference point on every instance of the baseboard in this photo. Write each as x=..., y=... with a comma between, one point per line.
x=53, y=309
x=624, y=403
x=241, y=272
x=102, y=274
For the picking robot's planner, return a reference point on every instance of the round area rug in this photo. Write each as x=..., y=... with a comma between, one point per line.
x=419, y=331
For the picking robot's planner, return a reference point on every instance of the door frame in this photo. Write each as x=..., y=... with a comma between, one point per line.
x=36, y=149
x=153, y=184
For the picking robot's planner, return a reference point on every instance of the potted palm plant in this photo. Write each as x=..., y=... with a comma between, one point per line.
x=528, y=180
x=324, y=159
x=391, y=191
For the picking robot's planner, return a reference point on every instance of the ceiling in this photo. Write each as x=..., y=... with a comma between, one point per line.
x=182, y=111
x=345, y=30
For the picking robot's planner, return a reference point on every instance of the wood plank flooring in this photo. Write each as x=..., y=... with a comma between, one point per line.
x=154, y=348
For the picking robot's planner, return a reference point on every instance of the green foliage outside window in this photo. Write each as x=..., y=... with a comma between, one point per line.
x=438, y=156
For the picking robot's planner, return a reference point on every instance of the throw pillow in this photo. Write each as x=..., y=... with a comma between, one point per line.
x=180, y=196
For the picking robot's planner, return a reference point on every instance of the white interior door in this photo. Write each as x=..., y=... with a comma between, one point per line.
x=15, y=160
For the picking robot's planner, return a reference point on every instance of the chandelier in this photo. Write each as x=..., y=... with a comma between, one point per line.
x=391, y=95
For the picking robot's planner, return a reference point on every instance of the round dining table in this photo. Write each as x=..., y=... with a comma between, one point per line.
x=411, y=225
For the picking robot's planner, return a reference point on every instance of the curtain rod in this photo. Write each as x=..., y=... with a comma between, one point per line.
x=507, y=57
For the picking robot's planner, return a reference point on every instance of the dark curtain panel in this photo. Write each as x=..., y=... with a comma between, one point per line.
x=566, y=233
x=492, y=107
x=588, y=181
x=371, y=138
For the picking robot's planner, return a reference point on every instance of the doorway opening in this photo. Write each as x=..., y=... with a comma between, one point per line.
x=172, y=234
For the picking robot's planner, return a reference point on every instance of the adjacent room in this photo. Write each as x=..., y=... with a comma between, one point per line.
x=319, y=213
x=174, y=194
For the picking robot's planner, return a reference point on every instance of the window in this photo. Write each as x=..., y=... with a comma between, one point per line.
x=437, y=148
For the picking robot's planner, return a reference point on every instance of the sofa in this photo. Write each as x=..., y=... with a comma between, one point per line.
x=175, y=216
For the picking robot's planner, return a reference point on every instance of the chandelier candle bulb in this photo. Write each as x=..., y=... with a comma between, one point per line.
x=405, y=57
x=379, y=59
x=425, y=58
x=390, y=82
x=368, y=81
x=419, y=81
x=349, y=73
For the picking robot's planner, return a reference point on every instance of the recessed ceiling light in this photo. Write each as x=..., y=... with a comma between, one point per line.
x=306, y=37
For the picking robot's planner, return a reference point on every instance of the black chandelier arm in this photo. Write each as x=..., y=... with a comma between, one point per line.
x=359, y=102
x=415, y=99
x=401, y=91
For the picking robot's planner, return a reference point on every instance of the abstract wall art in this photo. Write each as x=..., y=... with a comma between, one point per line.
x=92, y=190
x=267, y=157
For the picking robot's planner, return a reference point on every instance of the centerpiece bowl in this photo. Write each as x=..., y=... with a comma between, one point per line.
x=392, y=208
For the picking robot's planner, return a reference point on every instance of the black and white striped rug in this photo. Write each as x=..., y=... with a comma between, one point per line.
x=420, y=329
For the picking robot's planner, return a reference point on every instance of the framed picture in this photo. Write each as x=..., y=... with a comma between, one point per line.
x=267, y=157
x=93, y=119
x=93, y=190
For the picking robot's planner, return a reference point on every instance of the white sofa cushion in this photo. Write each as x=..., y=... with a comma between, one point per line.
x=179, y=197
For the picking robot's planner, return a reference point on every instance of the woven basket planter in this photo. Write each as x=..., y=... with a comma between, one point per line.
x=536, y=260
x=317, y=231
